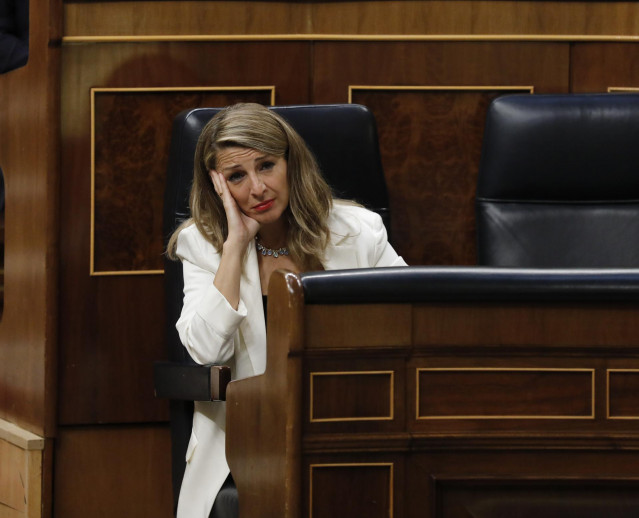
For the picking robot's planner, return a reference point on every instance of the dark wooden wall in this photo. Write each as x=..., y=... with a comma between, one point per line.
x=84, y=147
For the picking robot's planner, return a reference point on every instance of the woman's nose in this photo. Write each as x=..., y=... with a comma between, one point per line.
x=257, y=185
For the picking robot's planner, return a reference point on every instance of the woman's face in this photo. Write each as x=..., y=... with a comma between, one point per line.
x=257, y=181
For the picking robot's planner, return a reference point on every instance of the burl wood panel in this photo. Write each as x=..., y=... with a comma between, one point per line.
x=113, y=471
x=430, y=140
x=132, y=139
x=113, y=326
x=504, y=393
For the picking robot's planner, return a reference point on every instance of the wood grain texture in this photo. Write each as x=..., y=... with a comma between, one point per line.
x=451, y=465
x=373, y=17
x=363, y=489
x=623, y=387
x=113, y=471
x=29, y=116
x=430, y=140
x=132, y=139
x=120, y=334
x=267, y=471
x=597, y=67
x=185, y=17
x=504, y=393
x=431, y=145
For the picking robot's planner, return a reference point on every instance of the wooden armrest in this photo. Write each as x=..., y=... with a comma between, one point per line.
x=182, y=381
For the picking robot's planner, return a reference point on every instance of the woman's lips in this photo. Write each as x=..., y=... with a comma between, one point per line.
x=261, y=207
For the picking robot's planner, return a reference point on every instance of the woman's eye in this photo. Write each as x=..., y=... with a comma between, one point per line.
x=235, y=177
x=267, y=166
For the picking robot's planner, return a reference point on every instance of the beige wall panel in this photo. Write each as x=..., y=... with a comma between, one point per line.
x=21, y=472
x=415, y=18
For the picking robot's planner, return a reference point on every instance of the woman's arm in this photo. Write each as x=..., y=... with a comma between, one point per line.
x=208, y=323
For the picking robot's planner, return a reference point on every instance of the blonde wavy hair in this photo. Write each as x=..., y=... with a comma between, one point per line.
x=256, y=127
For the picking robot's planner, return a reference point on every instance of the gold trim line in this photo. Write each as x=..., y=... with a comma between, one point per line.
x=159, y=38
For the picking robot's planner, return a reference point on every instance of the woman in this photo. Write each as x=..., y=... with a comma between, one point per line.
x=258, y=203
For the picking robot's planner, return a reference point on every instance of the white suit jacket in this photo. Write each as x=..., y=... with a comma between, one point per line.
x=213, y=332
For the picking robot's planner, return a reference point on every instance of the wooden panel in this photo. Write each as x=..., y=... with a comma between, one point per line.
x=420, y=17
x=430, y=139
x=119, y=334
x=352, y=396
x=433, y=214
x=596, y=67
x=539, y=324
x=362, y=489
x=355, y=390
x=30, y=162
x=21, y=473
x=449, y=478
x=113, y=471
x=623, y=392
x=493, y=497
x=471, y=17
x=505, y=393
x=132, y=130
x=184, y=17
x=371, y=325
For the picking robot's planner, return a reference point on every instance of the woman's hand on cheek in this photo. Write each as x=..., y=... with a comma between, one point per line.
x=242, y=229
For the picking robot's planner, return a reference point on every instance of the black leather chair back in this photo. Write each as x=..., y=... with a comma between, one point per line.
x=558, y=182
x=343, y=139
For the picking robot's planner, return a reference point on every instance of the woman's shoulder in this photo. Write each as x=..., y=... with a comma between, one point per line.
x=192, y=245
x=349, y=219
x=354, y=215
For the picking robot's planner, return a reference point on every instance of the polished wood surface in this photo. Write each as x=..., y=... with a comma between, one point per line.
x=373, y=17
x=262, y=468
x=437, y=429
x=125, y=324
x=106, y=331
x=132, y=136
x=113, y=471
x=29, y=119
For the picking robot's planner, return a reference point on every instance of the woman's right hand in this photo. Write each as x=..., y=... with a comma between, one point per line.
x=241, y=228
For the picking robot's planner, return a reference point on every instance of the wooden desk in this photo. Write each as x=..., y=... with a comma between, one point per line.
x=448, y=409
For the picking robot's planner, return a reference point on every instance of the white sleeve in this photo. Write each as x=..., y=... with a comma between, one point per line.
x=208, y=323
x=382, y=253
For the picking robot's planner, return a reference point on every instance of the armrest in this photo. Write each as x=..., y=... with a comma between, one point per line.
x=181, y=381
x=456, y=284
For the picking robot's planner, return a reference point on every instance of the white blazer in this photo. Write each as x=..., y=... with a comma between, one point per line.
x=213, y=332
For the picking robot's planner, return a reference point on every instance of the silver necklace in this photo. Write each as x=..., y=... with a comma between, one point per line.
x=275, y=253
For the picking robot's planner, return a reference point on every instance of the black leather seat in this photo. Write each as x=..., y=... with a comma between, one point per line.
x=558, y=183
x=344, y=141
